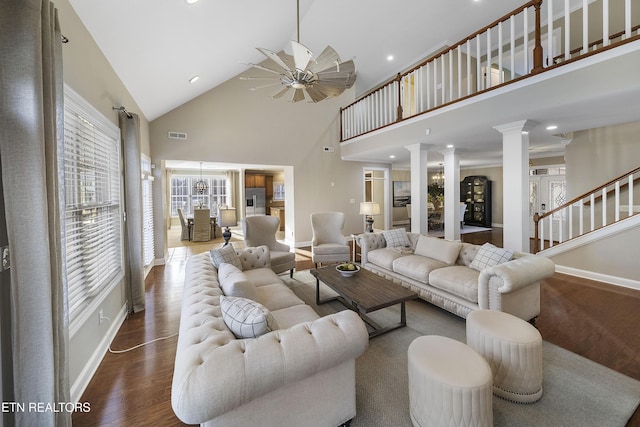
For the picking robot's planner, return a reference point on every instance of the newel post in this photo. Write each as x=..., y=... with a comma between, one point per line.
x=536, y=219
x=537, y=49
x=399, y=79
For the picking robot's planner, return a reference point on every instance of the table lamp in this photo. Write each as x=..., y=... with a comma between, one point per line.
x=227, y=218
x=369, y=209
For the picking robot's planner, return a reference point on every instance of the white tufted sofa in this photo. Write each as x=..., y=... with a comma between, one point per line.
x=301, y=374
x=512, y=287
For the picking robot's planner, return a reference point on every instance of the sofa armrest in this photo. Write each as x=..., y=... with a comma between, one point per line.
x=281, y=247
x=369, y=242
x=219, y=378
x=518, y=273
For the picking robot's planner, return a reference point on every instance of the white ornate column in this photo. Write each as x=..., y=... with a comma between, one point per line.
x=451, y=194
x=418, y=187
x=515, y=172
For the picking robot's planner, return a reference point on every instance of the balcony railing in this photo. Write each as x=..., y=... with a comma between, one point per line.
x=529, y=40
x=602, y=206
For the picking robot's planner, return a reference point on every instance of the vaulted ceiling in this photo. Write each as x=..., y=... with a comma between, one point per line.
x=156, y=47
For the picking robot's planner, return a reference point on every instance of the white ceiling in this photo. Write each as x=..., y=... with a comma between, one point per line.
x=155, y=47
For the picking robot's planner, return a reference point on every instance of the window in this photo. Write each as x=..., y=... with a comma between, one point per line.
x=148, y=251
x=185, y=197
x=278, y=191
x=92, y=190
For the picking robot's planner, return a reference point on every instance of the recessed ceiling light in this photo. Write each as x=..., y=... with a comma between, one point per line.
x=449, y=145
x=194, y=79
x=392, y=156
x=525, y=132
x=390, y=58
x=552, y=127
x=192, y=1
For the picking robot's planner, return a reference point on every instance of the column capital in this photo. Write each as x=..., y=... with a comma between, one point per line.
x=448, y=151
x=519, y=126
x=418, y=146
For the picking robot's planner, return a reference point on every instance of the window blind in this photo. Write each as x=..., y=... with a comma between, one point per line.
x=148, y=250
x=92, y=190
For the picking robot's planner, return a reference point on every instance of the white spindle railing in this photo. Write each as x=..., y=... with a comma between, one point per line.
x=557, y=225
x=512, y=47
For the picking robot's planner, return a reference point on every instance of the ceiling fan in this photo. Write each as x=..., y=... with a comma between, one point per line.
x=304, y=77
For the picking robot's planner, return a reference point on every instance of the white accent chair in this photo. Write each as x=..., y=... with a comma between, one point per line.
x=328, y=244
x=261, y=230
x=186, y=231
x=201, y=225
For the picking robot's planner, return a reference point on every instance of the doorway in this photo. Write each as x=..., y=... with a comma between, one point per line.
x=376, y=189
x=547, y=191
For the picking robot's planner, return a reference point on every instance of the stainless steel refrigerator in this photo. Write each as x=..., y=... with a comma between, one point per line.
x=255, y=201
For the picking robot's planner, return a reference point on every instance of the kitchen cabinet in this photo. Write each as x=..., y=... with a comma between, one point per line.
x=279, y=212
x=254, y=180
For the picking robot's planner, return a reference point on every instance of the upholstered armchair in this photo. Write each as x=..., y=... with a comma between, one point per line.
x=328, y=243
x=261, y=230
x=185, y=227
x=201, y=225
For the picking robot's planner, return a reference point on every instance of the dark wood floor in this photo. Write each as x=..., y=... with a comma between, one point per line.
x=596, y=320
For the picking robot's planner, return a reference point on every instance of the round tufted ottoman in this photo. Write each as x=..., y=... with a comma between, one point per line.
x=449, y=384
x=513, y=349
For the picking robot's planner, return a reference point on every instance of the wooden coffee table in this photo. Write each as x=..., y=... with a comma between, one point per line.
x=363, y=293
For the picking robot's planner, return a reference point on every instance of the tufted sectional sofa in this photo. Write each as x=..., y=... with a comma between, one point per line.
x=512, y=287
x=300, y=374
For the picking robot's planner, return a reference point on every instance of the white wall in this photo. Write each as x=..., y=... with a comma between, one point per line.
x=232, y=124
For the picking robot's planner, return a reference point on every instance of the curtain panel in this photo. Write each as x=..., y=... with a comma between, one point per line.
x=130, y=134
x=31, y=135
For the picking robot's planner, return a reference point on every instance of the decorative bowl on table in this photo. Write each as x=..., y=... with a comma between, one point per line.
x=347, y=269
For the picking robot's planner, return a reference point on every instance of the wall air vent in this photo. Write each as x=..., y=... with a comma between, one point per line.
x=177, y=135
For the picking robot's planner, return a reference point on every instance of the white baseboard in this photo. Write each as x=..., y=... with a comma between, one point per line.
x=80, y=384
x=599, y=277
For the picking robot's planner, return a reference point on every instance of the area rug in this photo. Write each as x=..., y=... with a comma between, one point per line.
x=576, y=391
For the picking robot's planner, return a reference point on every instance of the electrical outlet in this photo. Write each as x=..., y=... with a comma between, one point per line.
x=100, y=317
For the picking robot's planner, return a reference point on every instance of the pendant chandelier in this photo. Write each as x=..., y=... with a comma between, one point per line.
x=201, y=186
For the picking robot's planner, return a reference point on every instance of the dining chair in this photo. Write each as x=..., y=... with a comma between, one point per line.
x=186, y=230
x=261, y=230
x=328, y=244
x=201, y=225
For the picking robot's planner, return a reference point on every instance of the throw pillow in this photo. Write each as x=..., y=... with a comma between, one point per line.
x=439, y=249
x=246, y=318
x=489, y=255
x=235, y=283
x=396, y=237
x=225, y=254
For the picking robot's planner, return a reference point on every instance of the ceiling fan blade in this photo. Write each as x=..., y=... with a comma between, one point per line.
x=327, y=59
x=279, y=94
x=316, y=94
x=260, y=67
x=301, y=55
x=298, y=95
x=259, y=78
x=266, y=86
x=275, y=58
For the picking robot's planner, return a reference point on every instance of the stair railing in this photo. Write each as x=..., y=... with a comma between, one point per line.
x=531, y=39
x=600, y=207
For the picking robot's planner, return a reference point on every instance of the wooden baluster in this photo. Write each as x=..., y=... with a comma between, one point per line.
x=567, y=31
x=459, y=72
x=581, y=205
x=570, y=219
x=399, y=80
x=512, y=35
x=630, y=187
x=549, y=33
x=604, y=206
x=605, y=23
x=468, y=67
x=593, y=211
x=617, y=204
x=550, y=230
x=525, y=41
x=500, y=79
x=537, y=50
x=585, y=26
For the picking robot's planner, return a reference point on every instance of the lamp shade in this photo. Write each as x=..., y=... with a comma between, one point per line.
x=227, y=217
x=369, y=208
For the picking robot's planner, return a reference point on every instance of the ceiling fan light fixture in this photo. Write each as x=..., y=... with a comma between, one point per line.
x=309, y=78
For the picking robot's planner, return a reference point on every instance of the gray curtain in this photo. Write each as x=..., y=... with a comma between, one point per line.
x=31, y=135
x=130, y=134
